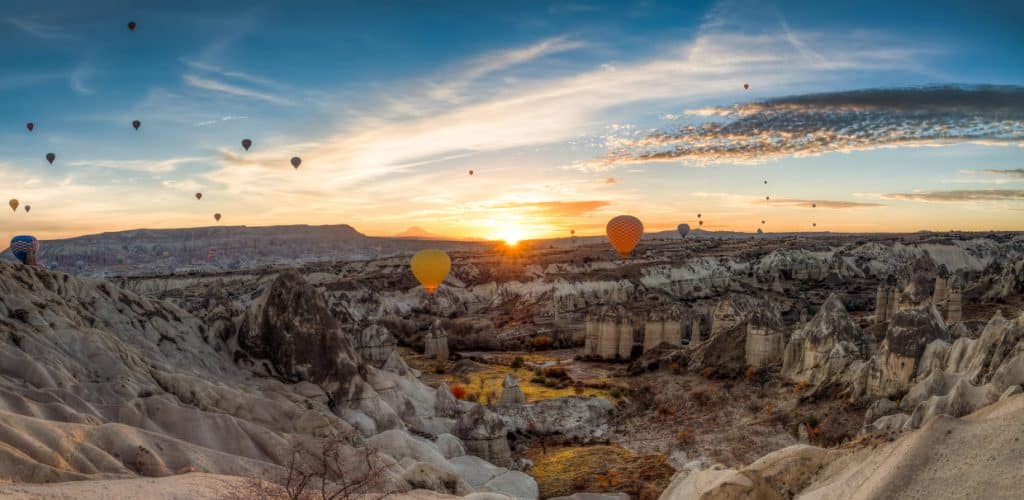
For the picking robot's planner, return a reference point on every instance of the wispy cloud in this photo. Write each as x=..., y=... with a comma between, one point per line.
x=813, y=124
x=154, y=166
x=40, y=30
x=826, y=204
x=553, y=209
x=79, y=79
x=959, y=196
x=1014, y=173
x=231, y=89
x=228, y=118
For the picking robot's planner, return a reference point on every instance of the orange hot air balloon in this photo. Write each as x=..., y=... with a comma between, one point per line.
x=216, y=216
x=199, y=196
x=624, y=233
x=430, y=267
x=13, y=204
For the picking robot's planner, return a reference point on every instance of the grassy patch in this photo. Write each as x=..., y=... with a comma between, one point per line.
x=564, y=471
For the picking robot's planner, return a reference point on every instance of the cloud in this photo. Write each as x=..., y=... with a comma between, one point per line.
x=814, y=124
x=556, y=209
x=833, y=204
x=154, y=166
x=37, y=29
x=1014, y=173
x=227, y=118
x=959, y=196
x=79, y=79
x=235, y=90
x=610, y=180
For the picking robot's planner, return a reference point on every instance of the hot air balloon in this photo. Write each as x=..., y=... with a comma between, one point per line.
x=766, y=182
x=572, y=232
x=430, y=267
x=766, y=198
x=246, y=143
x=217, y=217
x=624, y=232
x=814, y=205
x=13, y=204
x=814, y=224
x=683, y=229
x=199, y=196
x=28, y=208
x=30, y=126
x=700, y=223
x=760, y=232
x=296, y=161
x=25, y=248
x=698, y=216
x=50, y=157
x=762, y=222
x=470, y=172
x=131, y=25
x=746, y=86
x=136, y=124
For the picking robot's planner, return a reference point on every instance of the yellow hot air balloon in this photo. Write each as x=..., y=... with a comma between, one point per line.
x=624, y=233
x=14, y=204
x=430, y=267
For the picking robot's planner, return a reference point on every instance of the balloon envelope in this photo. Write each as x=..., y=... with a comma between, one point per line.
x=24, y=245
x=216, y=216
x=296, y=161
x=136, y=124
x=746, y=86
x=50, y=157
x=470, y=172
x=28, y=208
x=30, y=126
x=199, y=196
x=246, y=143
x=683, y=229
x=13, y=204
x=624, y=232
x=430, y=267
x=131, y=26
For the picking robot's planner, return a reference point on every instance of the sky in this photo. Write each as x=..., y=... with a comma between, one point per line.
x=859, y=116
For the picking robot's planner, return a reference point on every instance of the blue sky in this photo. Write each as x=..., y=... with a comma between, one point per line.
x=558, y=108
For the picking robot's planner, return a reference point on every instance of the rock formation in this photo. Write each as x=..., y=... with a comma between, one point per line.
x=827, y=348
x=435, y=343
x=511, y=395
x=484, y=435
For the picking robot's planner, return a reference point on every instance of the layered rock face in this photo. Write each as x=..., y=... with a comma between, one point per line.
x=906, y=337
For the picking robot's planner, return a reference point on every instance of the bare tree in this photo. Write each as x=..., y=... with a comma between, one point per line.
x=324, y=472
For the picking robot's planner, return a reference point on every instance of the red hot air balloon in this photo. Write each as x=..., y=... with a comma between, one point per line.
x=217, y=216
x=136, y=124
x=296, y=161
x=131, y=25
x=30, y=126
x=246, y=143
x=624, y=232
x=50, y=157
x=199, y=196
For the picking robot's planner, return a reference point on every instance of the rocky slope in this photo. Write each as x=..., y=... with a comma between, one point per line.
x=97, y=382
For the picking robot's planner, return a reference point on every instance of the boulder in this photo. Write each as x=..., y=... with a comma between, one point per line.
x=450, y=446
x=475, y=471
x=431, y=477
x=515, y=484
x=483, y=434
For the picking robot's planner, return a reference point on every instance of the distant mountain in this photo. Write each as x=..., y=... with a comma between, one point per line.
x=222, y=247
x=419, y=233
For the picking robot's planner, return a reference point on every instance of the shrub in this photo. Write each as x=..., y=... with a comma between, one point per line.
x=472, y=397
x=458, y=391
x=518, y=362
x=556, y=372
x=538, y=380
x=541, y=342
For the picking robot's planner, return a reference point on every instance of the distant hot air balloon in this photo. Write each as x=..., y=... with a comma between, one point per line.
x=759, y=231
x=572, y=232
x=296, y=161
x=746, y=86
x=199, y=196
x=766, y=198
x=217, y=217
x=470, y=172
x=13, y=204
x=624, y=232
x=766, y=181
x=136, y=124
x=25, y=248
x=698, y=216
x=28, y=208
x=814, y=205
x=50, y=157
x=700, y=222
x=30, y=126
x=683, y=229
x=246, y=143
x=430, y=267
x=131, y=25
x=814, y=224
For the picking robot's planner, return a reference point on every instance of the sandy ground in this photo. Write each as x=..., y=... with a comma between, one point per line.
x=185, y=486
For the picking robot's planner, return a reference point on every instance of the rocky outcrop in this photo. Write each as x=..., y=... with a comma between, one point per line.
x=577, y=418
x=435, y=343
x=906, y=338
x=376, y=345
x=511, y=395
x=484, y=434
x=830, y=348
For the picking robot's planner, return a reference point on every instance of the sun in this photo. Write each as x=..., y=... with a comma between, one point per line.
x=511, y=234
